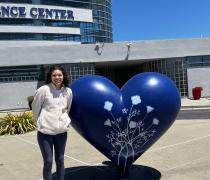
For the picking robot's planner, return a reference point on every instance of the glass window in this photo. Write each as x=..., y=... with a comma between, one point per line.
x=206, y=59
x=195, y=59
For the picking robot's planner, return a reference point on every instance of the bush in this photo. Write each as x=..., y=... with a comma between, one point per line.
x=30, y=99
x=21, y=123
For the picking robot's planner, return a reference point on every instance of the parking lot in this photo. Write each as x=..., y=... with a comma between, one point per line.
x=181, y=153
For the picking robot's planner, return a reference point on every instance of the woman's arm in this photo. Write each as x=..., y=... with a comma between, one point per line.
x=70, y=101
x=37, y=102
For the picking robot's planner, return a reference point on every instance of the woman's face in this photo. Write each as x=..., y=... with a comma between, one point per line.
x=57, y=78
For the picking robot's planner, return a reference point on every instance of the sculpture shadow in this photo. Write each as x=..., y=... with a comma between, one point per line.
x=109, y=171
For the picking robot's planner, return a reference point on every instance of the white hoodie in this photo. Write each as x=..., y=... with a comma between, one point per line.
x=50, y=108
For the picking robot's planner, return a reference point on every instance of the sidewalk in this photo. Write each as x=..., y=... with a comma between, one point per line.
x=202, y=103
x=186, y=103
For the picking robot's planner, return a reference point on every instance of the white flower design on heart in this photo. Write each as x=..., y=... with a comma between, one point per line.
x=136, y=100
x=129, y=139
x=108, y=105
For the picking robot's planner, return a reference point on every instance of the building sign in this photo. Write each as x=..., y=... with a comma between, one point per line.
x=44, y=12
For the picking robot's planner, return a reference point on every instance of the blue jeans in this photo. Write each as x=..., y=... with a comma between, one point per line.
x=46, y=143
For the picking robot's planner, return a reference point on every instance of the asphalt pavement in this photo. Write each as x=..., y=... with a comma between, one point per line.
x=194, y=114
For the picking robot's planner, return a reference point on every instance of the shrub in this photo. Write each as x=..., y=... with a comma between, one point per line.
x=12, y=124
x=30, y=100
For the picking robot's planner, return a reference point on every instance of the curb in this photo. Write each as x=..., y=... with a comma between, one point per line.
x=194, y=107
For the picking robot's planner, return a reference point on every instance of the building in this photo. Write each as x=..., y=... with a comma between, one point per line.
x=84, y=21
x=46, y=22
x=87, y=48
x=185, y=61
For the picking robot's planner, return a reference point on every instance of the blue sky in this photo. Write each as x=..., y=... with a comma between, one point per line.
x=160, y=19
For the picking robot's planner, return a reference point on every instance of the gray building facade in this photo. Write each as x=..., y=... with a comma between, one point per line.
x=22, y=65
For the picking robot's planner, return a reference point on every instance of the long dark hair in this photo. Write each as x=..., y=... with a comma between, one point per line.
x=57, y=67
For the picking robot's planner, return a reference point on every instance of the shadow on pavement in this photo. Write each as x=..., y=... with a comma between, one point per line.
x=109, y=172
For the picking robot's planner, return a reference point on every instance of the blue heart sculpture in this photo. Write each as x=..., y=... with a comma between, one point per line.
x=123, y=124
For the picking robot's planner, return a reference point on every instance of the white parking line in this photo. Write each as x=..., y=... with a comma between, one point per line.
x=152, y=150
x=177, y=144
x=26, y=141
x=77, y=160
x=70, y=171
x=187, y=163
x=35, y=144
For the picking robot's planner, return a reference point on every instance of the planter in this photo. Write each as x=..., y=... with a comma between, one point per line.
x=196, y=92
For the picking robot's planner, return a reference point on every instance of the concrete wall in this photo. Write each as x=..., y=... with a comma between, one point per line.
x=14, y=95
x=122, y=52
x=199, y=77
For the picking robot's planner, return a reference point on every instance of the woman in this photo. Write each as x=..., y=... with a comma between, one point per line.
x=50, y=107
